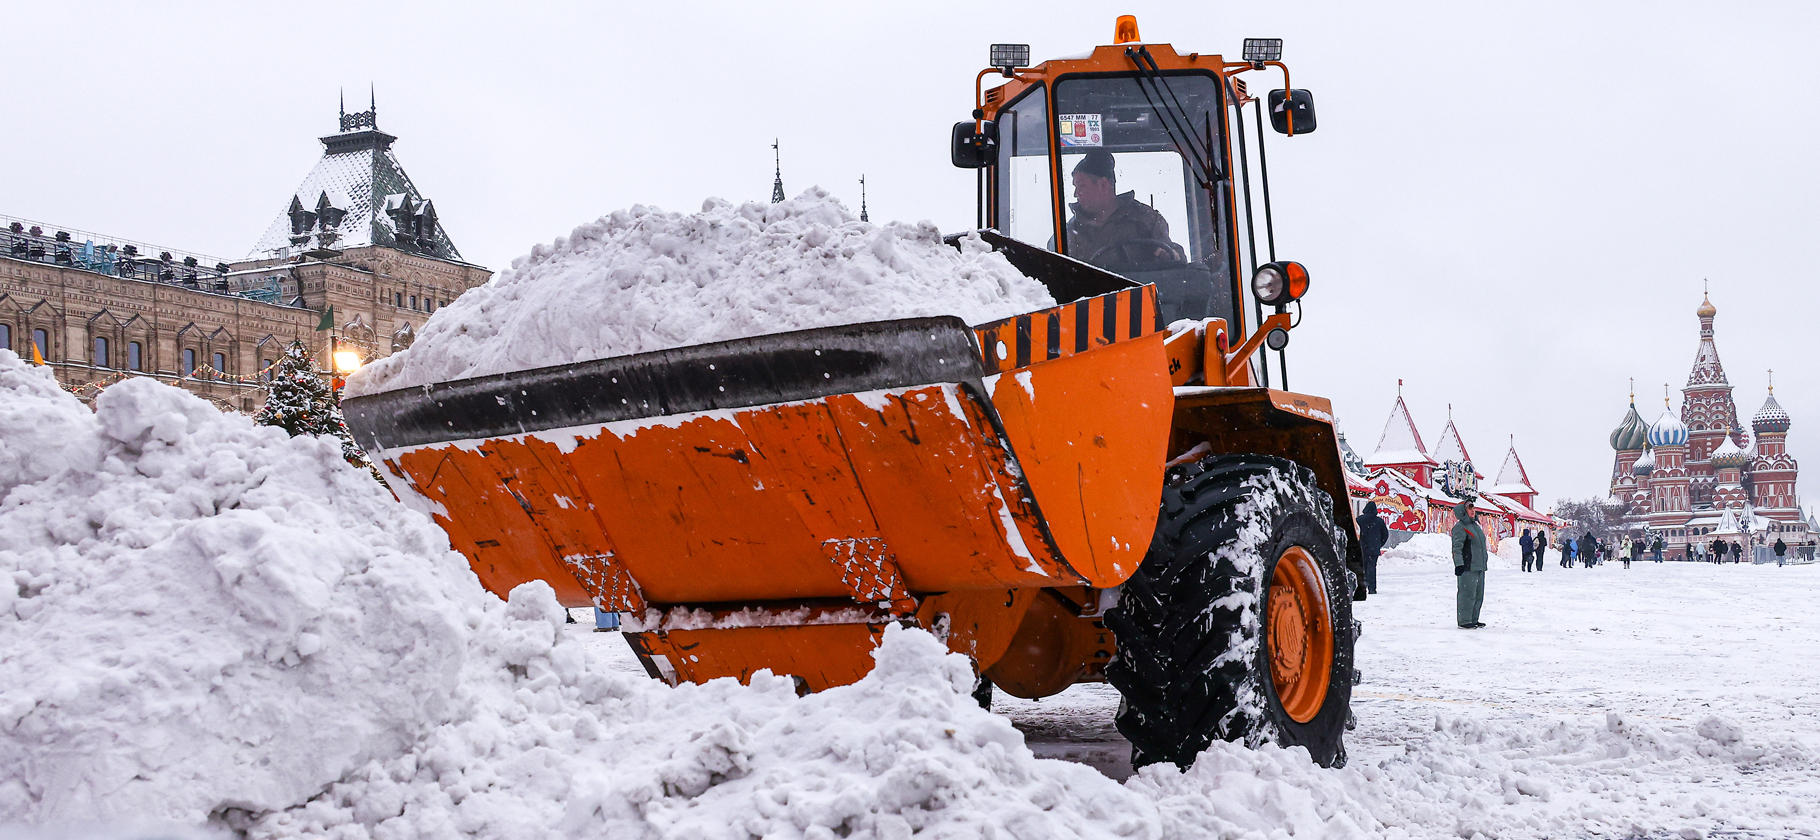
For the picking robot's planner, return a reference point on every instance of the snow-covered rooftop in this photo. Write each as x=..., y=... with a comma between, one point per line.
x=372, y=199
x=1400, y=443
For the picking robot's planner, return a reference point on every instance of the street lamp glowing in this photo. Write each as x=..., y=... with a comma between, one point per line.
x=347, y=361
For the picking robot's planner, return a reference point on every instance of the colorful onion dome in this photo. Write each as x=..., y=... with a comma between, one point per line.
x=1728, y=454
x=1707, y=309
x=1645, y=464
x=1771, y=417
x=1668, y=431
x=1632, y=433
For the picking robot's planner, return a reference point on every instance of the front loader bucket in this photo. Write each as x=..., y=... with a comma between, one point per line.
x=823, y=481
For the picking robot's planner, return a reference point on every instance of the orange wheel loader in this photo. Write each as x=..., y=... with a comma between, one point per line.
x=1102, y=491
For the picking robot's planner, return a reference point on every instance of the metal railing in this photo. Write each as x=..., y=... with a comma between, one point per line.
x=24, y=239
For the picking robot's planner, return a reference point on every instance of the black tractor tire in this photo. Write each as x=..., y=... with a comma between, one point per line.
x=1193, y=660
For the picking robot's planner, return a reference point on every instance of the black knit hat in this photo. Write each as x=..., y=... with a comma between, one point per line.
x=1096, y=162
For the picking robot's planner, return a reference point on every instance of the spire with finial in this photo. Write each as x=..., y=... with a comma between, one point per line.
x=862, y=200
x=365, y=119
x=777, y=186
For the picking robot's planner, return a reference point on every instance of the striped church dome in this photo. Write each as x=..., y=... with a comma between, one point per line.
x=1668, y=431
x=1771, y=417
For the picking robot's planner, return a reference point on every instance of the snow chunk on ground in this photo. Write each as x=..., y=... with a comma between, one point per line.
x=200, y=613
x=642, y=279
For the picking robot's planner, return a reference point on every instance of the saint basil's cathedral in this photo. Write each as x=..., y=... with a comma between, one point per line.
x=1700, y=475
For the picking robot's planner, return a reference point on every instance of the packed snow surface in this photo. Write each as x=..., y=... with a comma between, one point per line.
x=213, y=624
x=642, y=279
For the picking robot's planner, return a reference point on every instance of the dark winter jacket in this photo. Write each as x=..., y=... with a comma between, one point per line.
x=1468, y=540
x=1781, y=547
x=1541, y=541
x=1528, y=542
x=1373, y=533
x=1636, y=549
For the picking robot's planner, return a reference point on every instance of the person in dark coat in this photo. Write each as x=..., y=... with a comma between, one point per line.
x=1541, y=547
x=1373, y=533
x=1781, y=549
x=1719, y=550
x=1636, y=552
x=1529, y=549
x=1469, y=565
x=1655, y=548
x=1737, y=552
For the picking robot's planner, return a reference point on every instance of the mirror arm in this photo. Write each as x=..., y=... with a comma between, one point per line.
x=1286, y=87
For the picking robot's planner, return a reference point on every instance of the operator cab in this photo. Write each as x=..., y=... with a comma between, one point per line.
x=1122, y=158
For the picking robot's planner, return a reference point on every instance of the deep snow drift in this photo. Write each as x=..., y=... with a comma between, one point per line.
x=642, y=279
x=209, y=620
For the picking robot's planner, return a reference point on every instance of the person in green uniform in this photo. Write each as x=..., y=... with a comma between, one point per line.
x=1114, y=230
x=1469, y=566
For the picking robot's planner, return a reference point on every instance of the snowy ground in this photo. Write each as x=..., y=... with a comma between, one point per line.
x=1596, y=703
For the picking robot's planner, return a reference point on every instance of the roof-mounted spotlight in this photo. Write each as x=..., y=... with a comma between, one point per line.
x=1260, y=50
x=1009, y=57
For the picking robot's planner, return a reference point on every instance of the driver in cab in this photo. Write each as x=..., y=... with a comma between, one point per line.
x=1112, y=230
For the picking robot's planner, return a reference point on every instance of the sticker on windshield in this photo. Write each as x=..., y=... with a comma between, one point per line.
x=1080, y=129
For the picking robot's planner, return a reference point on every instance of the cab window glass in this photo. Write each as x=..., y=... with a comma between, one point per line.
x=1023, y=171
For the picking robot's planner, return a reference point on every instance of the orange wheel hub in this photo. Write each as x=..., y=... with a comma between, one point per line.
x=1300, y=634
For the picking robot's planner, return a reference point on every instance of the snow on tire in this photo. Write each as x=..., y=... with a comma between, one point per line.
x=1238, y=624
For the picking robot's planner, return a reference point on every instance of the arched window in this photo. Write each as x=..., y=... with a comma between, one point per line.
x=135, y=356
x=189, y=361
x=219, y=363
x=6, y=337
x=43, y=340
x=98, y=353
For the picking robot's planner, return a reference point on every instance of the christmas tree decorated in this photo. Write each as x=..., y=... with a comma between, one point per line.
x=302, y=403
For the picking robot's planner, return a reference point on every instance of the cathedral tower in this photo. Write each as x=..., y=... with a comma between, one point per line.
x=1668, y=480
x=1707, y=411
x=1772, y=470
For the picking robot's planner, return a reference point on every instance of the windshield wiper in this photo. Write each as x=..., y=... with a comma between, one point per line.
x=1175, y=118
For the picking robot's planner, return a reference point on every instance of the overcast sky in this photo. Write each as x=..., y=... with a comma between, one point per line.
x=1510, y=206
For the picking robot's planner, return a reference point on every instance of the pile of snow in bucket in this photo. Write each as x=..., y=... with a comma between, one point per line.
x=642, y=279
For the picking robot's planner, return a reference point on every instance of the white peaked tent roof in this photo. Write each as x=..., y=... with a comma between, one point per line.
x=1452, y=448
x=1728, y=524
x=1400, y=443
x=1512, y=478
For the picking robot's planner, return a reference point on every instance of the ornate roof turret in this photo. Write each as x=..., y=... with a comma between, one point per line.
x=1646, y=464
x=358, y=195
x=1728, y=453
x=1707, y=370
x=1354, y=464
x=1632, y=433
x=1771, y=417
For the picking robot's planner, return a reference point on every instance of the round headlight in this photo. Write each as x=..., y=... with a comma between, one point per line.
x=1269, y=285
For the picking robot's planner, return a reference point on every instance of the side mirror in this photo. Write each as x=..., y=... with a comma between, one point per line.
x=970, y=149
x=1297, y=102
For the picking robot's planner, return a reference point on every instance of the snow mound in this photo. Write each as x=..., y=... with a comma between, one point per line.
x=1437, y=549
x=201, y=613
x=641, y=279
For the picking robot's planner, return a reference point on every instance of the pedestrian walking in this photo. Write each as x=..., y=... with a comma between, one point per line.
x=1373, y=533
x=1655, y=548
x=1589, y=550
x=1469, y=565
x=1541, y=547
x=1737, y=552
x=1567, y=552
x=1781, y=549
x=1529, y=549
x=1718, y=550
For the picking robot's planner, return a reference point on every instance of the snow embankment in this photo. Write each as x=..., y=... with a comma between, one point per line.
x=211, y=623
x=199, y=613
x=642, y=279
